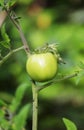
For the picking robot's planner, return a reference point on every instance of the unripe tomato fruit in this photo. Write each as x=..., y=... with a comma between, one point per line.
x=42, y=67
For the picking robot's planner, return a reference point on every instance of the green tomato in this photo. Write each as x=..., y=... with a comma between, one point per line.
x=42, y=67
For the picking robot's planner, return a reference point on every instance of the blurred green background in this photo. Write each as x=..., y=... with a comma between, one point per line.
x=44, y=21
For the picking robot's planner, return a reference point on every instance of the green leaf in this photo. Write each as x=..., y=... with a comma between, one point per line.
x=81, y=65
x=18, y=97
x=11, y=2
x=5, y=44
x=2, y=103
x=3, y=122
x=1, y=4
x=69, y=124
x=6, y=40
x=80, y=76
x=20, y=119
x=1, y=115
x=6, y=3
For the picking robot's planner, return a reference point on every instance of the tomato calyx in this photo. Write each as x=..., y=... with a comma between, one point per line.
x=52, y=48
x=47, y=48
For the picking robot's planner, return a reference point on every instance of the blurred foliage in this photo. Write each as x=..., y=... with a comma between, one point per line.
x=43, y=22
x=10, y=118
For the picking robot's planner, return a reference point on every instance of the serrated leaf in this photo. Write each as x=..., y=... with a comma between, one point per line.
x=6, y=40
x=69, y=124
x=20, y=119
x=18, y=97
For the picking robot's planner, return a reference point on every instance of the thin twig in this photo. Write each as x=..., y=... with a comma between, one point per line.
x=56, y=81
x=9, y=54
x=17, y=25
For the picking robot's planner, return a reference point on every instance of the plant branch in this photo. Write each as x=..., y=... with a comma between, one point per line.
x=35, y=107
x=17, y=25
x=56, y=81
x=9, y=54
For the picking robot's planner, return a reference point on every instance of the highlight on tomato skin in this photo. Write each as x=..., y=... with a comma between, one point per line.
x=42, y=67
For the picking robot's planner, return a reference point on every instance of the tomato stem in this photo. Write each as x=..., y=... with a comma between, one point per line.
x=12, y=15
x=35, y=106
x=52, y=82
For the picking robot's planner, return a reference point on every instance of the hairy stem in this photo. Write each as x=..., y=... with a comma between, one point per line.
x=35, y=107
x=9, y=54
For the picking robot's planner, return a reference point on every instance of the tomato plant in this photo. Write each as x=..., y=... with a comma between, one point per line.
x=42, y=67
